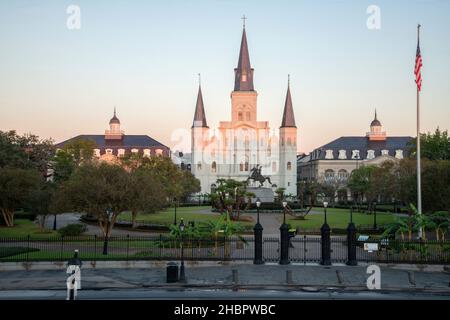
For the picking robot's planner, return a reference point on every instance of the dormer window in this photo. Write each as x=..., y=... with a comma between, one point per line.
x=384, y=152
x=399, y=154
x=355, y=154
x=370, y=154
x=329, y=154
x=342, y=154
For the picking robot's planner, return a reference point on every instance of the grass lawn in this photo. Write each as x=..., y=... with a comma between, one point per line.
x=23, y=228
x=165, y=217
x=338, y=218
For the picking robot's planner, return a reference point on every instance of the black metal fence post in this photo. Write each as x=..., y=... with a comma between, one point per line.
x=351, y=242
x=258, y=233
x=326, y=244
x=284, y=250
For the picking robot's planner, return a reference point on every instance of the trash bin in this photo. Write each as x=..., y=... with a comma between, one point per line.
x=172, y=272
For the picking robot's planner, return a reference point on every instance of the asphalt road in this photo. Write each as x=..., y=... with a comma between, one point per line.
x=213, y=294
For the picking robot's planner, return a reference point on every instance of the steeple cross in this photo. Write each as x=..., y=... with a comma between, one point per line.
x=243, y=19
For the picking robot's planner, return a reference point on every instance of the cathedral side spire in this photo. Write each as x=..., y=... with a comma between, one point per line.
x=288, y=113
x=199, y=115
x=244, y=72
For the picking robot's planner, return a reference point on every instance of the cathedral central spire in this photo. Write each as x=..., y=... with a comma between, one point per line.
x=244, y=72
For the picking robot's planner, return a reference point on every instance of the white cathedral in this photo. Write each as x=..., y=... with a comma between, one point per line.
x=244, y=143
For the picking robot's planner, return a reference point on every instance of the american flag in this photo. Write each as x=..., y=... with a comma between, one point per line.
x=418, y=67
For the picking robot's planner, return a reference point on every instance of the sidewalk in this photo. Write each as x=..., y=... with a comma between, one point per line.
x=309, y=278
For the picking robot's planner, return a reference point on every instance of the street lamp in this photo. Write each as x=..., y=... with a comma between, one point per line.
x=182, y=276
x=325, y=205
x=284, y=235
x=175, y=215
x=109, y=214
x=284, y=203
x=325, y=238
x=258, y=231
x=54, y=223
x=258, y=204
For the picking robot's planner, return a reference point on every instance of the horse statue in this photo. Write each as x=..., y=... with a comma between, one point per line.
x=255, y=175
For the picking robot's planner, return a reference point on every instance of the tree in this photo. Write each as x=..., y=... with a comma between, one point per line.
x=41, y=202
x=145, y=193
x=359, y=182
x=81, y=150
x=228, y=195
x=434, y=146
x=189, y=184
x=280, y=194
x=25, y=152
x=100, y=189
x=16, y=185
x=63, y=166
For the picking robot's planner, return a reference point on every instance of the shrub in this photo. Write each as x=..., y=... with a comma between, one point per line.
x=75, y=229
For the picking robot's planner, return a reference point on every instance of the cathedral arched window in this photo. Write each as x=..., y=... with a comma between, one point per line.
x=214, y=167
x=329, y=174
x=289, y=166
x=343, y=174
x=241, y=167
x=246, y=166
x=240, y=116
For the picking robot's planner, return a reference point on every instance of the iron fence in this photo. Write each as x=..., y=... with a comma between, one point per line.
x=302, y=249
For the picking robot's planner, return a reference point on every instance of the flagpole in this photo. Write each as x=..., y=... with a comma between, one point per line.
x=419, y=184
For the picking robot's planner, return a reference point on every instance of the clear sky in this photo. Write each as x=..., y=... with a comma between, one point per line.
x=144, y=56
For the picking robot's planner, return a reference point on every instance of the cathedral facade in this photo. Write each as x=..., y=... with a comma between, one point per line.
x=244, y=144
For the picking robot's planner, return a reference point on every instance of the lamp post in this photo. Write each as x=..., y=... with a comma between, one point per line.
x=175, y=214
x=109, y=214
x=182, y=276
x=258, y=231
x=284, y=235
x=375, y=215
x=54, y=223
x=325, y=237
x=351, y=241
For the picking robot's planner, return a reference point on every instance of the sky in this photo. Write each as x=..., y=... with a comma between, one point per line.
x=144, y=56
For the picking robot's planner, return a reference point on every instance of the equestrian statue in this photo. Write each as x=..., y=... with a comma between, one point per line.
x=255, y=175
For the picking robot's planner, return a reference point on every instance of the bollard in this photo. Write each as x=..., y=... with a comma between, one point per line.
x=235, y=276
x=74, y=280
x=411, y=278
x=289, y=277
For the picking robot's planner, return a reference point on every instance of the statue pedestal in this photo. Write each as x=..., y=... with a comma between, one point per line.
x=264, y=194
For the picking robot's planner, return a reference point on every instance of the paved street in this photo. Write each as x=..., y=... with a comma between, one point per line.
x=270, y=280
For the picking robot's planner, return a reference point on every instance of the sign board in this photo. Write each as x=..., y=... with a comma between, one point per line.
x=370, y=246
x=363, y=237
